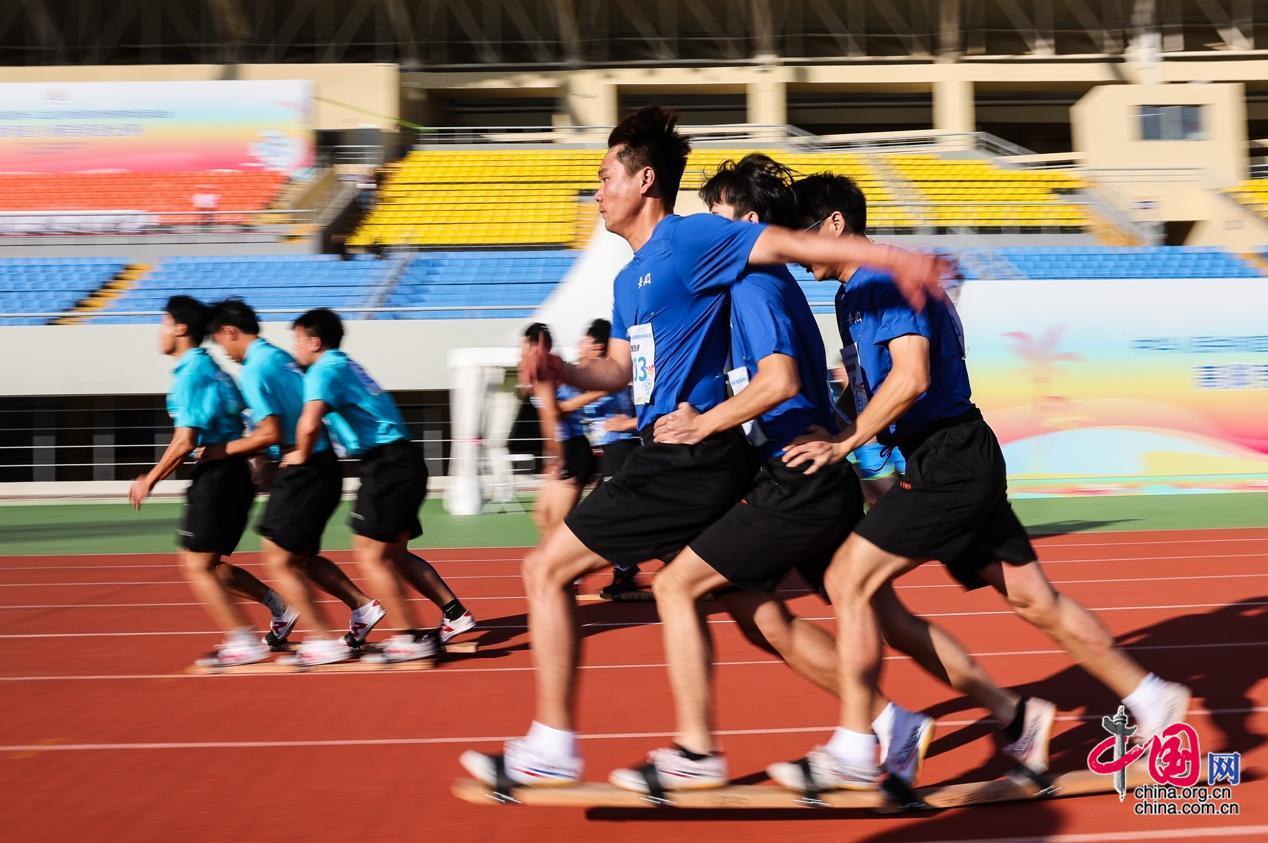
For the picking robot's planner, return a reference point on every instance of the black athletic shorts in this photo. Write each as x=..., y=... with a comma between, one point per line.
x=393, y=487
x=615, y=454
x=217, y=506
x=301, y=500
x=788, y=520
x=578, y=461
x=951, y=504
x=664, y=497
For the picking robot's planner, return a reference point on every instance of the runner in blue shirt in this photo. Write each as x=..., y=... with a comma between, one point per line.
x=570, y=463
x=302, y=497
x=206, y=410
x=368, y=424
x=788, y=520
x=671, y=339
x=950, y=505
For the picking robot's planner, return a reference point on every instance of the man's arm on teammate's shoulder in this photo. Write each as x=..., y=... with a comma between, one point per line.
x=918, y=275
x=266, y=434
x=775, y=382
x=183, y=441
x=902, y=387
x=306, y=432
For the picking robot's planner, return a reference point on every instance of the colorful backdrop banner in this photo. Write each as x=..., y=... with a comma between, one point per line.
x=155, y=126
x=1123, y=385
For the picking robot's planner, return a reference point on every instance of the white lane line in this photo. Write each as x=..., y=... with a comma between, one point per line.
x=1260, y=831
x=517, y=576
x=982, y=614
x=626, y=666
x=594, y=736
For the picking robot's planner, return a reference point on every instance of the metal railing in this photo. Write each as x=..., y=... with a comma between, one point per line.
x=136, y=226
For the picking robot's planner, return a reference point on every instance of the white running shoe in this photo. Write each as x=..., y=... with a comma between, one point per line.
x=903, y=749
x=828, y=772
x=1173, y=708
x=234, y=653
x=525, y=766
x=675, y=772
x=280, y=629
x=409, y=648
x=317, y=651
x=448, y=628
x=363, y=622
x=1031, y=749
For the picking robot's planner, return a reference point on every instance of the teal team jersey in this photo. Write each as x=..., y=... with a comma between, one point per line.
x=204, y=398
x=362, y=416
x=273, y=385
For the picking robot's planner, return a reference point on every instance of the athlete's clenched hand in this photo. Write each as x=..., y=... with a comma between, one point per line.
x=678, y=427
x=139, y=491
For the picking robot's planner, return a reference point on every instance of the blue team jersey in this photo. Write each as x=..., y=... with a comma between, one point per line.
x=204, y=398
x=273, y=385
x=567, y=424
x=362, y=415
x=770, y=315
x=870, y=313
x=618, y=403
x=670, y=302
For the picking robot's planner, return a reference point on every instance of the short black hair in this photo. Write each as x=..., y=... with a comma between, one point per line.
x=818, y=196
x=322, y=323
x=539, y=333
x=600, y=331
x=190, y=312
x=233, y=313
x=651, y=139
x=756, y=183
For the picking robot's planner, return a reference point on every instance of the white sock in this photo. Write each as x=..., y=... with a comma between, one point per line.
x=274, y=603
x=1147, y=696
x=550, y=741
x=859, y=748
x=884, y=722
x=242, y=636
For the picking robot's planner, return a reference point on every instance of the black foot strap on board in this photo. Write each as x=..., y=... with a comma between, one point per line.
x=1040, y=780
x=655, y=790
x=502, y=784
x=898, y=791
x=810, y=788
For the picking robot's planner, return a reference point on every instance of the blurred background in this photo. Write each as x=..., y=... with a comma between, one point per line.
x=1099, y=168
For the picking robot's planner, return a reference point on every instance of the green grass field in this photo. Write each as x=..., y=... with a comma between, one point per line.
x=65, y=528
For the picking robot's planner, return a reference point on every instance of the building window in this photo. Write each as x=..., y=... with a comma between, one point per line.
x=1171, y=123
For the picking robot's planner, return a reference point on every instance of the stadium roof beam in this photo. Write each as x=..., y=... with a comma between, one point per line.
x=569, y=33
x=403, y=29
x=232, y=26
x=763, y=24
x=1234, y=26
x=655, y=40
x=46, y=29
x=916, y=46
x=842, y=34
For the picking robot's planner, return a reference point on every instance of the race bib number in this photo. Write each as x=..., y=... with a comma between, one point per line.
x=738, y=378
x=643, y=362
x=854, y=377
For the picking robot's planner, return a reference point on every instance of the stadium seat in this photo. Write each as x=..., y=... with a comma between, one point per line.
x=50, y=285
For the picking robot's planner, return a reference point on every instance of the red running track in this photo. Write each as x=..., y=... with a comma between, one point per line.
x=106, y=737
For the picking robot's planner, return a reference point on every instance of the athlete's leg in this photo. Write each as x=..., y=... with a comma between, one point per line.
x=941, y=655
x=378, y=565
x=766, y=622
x=858, y=571
x=1065, y=621
x=331, y=579
x=549, y=571
x=420, y=574
x=241, y=582
x=688, y=645
x=287, y=570
x=200, y=571
x=554, y=501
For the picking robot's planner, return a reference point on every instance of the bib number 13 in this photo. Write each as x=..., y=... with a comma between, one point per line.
x=643, y=362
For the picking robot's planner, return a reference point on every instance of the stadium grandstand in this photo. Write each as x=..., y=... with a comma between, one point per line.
x=1096, y=171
